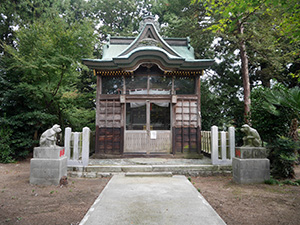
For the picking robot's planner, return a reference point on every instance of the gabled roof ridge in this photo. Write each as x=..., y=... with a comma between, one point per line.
x=160, y=38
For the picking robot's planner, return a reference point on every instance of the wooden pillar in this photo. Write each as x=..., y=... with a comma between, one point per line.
x=99, y=88
x=198, y=92
x=173, y=121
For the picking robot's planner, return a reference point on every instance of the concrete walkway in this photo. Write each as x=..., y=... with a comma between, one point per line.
x=150, y=200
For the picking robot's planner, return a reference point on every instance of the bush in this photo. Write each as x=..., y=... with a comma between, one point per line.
x=267, y=124
x=5, y=150
x=272, y=181
x=283, y=156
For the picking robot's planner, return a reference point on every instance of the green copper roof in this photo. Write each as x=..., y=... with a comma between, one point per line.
x=149, y=47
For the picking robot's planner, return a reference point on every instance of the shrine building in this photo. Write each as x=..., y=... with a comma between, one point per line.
x=148, y=96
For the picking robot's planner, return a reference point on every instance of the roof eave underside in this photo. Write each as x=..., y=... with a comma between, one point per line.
x=179, y=64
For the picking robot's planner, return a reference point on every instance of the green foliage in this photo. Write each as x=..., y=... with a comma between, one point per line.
x=217, y=108
x=38, y=71
x=283, y=97
x=272, y=181
x=283, y=156
x=289, y=182
x=282, y=106
x=230, y=11
x=263, y=118
x=119, y=18
x=5, y=150
x=185, y=20
x=297, y=181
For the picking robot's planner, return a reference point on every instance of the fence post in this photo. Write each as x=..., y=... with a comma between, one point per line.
x=223, y=145
x=214, y=145
x=85, y=146
x=231, y=131
x=68, y=133
x=76, y=146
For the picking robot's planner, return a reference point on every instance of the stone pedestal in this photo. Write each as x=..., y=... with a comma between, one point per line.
x=251, y=152
x=48, y=165
x=251, y=165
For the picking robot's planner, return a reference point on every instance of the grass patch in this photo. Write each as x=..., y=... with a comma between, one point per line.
x=273, y=181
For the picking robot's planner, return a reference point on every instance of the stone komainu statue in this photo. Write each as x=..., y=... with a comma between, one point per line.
x=252, y=138
x=48, y=138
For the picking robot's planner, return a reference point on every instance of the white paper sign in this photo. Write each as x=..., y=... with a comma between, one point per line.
x=153, y=134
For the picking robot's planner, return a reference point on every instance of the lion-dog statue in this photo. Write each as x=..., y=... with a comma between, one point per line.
x=48, y=138
x=251, y=138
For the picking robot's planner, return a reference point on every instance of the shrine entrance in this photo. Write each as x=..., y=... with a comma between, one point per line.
x=148, y=129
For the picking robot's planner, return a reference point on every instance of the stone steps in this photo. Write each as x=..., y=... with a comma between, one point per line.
x=94, y=171
x=149, y=174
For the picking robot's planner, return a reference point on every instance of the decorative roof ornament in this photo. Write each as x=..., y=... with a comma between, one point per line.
x=149, y=19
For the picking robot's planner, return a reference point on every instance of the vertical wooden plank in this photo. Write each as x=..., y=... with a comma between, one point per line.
x=122, y=139
x=198, y=90
x=124, y=86
x=123, y=119
x=97, y=148
x=182, y=136
x=99, y=84
x=148, y=116
x=173, y=125
x=99, y=89
x=113, y=126
x=105, y=130
x=189, y=131
x=173, y=141
x=198, y=140
x=173, y=80
x=123, y=126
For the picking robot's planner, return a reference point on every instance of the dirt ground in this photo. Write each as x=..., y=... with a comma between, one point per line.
x=253, y=203
x=22, y=203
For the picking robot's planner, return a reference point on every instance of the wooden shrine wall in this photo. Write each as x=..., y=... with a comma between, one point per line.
x=109, y=132
x=185, y=129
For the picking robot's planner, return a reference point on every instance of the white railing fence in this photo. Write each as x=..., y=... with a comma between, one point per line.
x=220, y=145
x=77, y=146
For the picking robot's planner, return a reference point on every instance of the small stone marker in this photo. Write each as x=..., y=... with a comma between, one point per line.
x=250, y=164
x=49, y=163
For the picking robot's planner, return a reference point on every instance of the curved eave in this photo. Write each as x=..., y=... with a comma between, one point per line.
x=148, y=55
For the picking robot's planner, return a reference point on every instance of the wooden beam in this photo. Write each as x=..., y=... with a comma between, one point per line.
x=198, y=91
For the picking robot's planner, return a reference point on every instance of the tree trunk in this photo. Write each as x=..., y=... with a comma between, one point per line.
x=245, y=74
x=293, y=133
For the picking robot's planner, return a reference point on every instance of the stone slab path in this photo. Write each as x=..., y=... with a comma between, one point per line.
x=150, y=200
